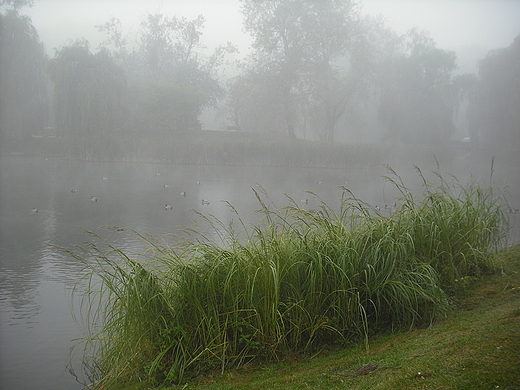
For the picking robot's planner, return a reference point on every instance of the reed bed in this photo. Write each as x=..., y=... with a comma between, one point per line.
x=249, y=150
x=296, y=281
x=220, y=148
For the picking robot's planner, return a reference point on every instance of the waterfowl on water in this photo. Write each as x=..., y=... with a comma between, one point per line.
x=93, y=199
x=305, y=201
x=205, y=202
x=183, y=193
x=74, y=190
x=166, y=186
x=34, y=210
x=167, y=207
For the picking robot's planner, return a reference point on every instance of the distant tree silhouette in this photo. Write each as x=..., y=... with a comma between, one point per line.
x=417, y=102
x=495, y=112
x=23, y=97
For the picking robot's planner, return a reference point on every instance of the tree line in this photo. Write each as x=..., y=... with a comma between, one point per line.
x=317, y=70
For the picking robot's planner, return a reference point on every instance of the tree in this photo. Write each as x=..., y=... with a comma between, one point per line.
x=347, y=50
x=90, y=92
x=23, y=99
x=495, y=112
x=418, y=100
x=316, y=53
x=255, y=100
x=278, y=31
x=169, y=80
x=113, y=29
x=15, y=5
x=178, y=81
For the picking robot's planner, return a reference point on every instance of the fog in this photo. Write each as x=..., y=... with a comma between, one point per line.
x=381, y=44
x=133, y=113
x=332, y=84
x=470, y=28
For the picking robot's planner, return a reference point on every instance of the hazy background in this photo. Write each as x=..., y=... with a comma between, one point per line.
x=95, y=134
x=469, y=27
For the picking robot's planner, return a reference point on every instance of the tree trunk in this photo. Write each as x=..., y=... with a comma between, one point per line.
x=330, y=131
x=288, y=121
x=330, y=123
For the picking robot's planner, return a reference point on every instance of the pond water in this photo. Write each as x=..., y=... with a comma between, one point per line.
x=37, y=277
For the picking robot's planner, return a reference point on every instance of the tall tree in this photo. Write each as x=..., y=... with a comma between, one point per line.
x=417, y=101
x=316, y=52
x=90, y=92
x=15, y=4
x=495, y=112
x=180, y=82
x=255, y=100
x=347, y=49
x=23, y=98
x=278, y=31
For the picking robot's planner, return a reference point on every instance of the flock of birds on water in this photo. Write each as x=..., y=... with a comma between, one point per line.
x=388, y=207
x=93, y=199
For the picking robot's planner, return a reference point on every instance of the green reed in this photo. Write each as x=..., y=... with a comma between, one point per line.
x=455, y=228
x=295, y=281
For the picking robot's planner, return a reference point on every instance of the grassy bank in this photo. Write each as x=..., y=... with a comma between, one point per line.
x=293, y=284
x=476, y=347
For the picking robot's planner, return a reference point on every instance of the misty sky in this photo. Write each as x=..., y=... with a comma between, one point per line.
x=469, y=27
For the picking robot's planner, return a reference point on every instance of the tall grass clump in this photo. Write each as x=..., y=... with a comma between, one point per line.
x=455, y=228
x=294, y=282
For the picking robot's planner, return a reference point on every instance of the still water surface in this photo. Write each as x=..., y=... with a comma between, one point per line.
x=37, y=278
